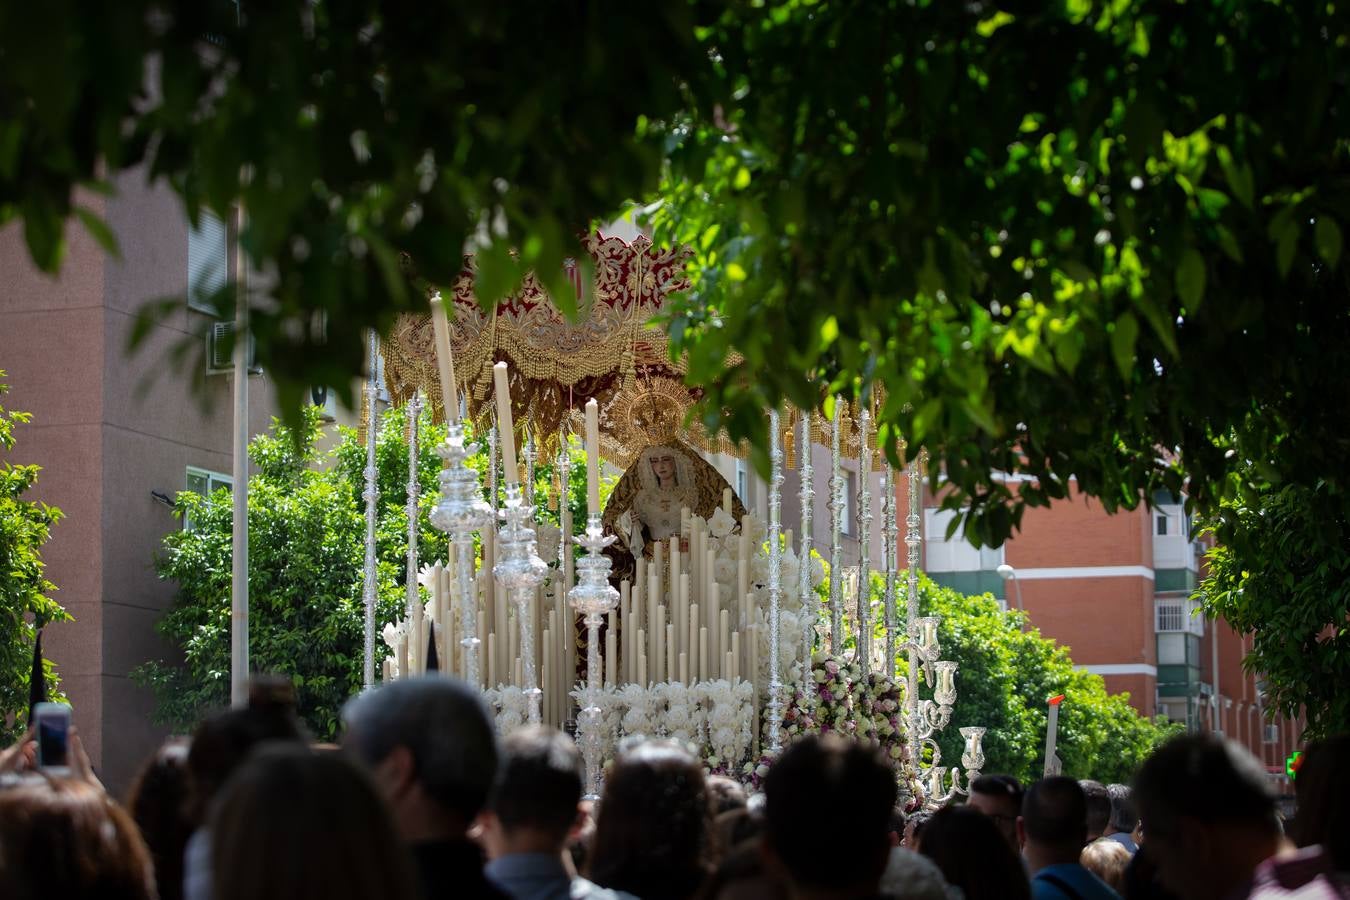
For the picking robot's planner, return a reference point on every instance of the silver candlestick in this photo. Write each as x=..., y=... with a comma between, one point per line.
x=926, y=717
x=891, y=553
x=775, y=709
x=864, y=651
x=837, y=504
x=520, y=571
x=593, y=597
x=414, y=413
x=460, y=512
x=371, y=495
x=806, y=591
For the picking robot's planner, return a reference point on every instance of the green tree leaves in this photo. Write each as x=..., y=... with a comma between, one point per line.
x=1282, y=573
x=1004, y=678
x=306, y=555
x=1086, y=234
x=25, y=601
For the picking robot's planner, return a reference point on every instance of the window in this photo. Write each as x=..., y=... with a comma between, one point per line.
x=742, y=482
x=206, y=483
x=1161, y=525
x=957, y=554
x=208, y=262
x=846, y=510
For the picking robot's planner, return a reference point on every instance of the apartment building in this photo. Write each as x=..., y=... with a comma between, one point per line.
x=117, y=435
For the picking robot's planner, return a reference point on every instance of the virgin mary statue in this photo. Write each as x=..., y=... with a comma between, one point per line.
x=647, y=503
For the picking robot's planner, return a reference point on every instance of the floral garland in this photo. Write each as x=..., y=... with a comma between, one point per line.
x=837, y=699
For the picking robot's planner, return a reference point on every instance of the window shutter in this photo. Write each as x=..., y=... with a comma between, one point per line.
x=208, y=260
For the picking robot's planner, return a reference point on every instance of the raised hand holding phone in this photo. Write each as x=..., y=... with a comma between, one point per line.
x=53, y=737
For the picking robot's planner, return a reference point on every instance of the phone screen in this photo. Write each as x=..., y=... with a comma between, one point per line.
x=53, y=740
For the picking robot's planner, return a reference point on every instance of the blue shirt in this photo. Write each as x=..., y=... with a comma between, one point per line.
x=1124, y=840
x=1081, y=884
x=541, y=876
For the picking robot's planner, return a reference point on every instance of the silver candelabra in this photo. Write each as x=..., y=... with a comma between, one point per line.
x=460, y=512
x=520, y=571
x=926, y=717
x=593, y=597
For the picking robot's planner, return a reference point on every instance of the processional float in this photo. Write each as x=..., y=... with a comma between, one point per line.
x=700, y=638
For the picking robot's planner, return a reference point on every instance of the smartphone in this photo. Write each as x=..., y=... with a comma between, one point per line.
x=53, y=737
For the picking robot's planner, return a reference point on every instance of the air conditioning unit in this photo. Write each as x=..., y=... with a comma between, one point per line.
x=218, y=346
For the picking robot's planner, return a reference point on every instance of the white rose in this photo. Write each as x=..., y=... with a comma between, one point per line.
x=721, y=523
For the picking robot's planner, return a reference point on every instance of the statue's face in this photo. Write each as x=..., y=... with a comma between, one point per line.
x=663, y=466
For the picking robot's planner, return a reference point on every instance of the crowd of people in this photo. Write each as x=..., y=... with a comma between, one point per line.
x=422, y=800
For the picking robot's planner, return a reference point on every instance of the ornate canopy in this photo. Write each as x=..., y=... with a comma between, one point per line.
x=610, y=353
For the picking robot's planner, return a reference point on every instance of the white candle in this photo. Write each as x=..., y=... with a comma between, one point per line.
x=445, y=362
x=724, y=642
x=610, y=663
x=546, y=683
x=735, y=655
x=684, y=668
x=593, y=457
x=693, y=634
x=671, y=671
x=703, y=654
x=505, y=429
x=726, y=500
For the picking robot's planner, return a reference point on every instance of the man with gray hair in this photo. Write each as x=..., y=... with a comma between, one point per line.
x=430, y=746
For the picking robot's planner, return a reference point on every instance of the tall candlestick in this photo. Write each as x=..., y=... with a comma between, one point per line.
x=592, y=457
x=445, y=361
x=864, y=643
x=806, y=591
x=774, y=709
x=504, y=423
x=837, y=504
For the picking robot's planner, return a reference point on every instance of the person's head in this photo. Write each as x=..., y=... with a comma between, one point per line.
x=1098, y=801
x=158, y=802
x=653, y=836
x=65, y=838
x=296, y=825
x=1208, y=814
x=733, y=828
x=1323, y=790
x=973, y=855
x=430, y=745
x=896, y=829
x=1053, y=826
x=820, y=780
x=725, y=794
x=222, y=742
x=662, y=460
x=742, y=875
x=534, y=805
x=1107, y=860
x=1000, y=798
x=1123, y=815
x=915, y=823
x=913, y=876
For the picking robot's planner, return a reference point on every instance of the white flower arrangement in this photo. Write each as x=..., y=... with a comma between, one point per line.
x=681, y=711
x=729, y=722
x=721, y=523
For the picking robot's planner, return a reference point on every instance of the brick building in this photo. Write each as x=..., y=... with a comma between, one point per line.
x=116, y=434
